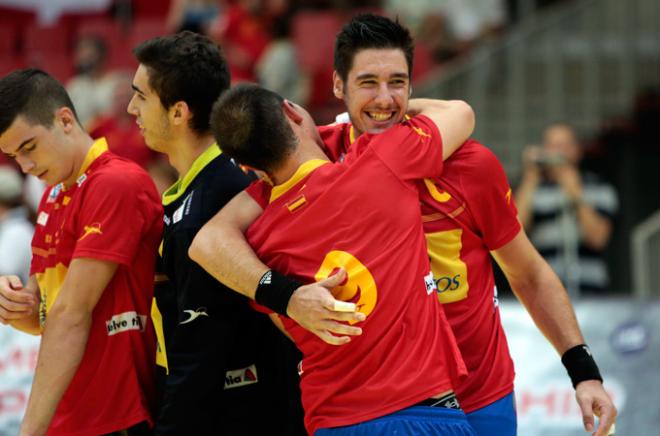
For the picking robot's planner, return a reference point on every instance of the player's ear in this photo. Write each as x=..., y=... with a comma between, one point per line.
x=291, y=112
x=179, y=113
x=337, y=85
x=65, y=117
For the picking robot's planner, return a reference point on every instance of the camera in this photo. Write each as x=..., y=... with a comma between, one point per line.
x=544, y=159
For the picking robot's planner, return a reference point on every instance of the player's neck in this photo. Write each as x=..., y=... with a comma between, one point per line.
x=303, y=153
x=83, y=142
x=184, y=151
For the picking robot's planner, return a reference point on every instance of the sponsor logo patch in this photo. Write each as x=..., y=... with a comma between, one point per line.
x=54, y=192
x=430, y=284
x=241, y=377
x=42, y=219
x=124, y=322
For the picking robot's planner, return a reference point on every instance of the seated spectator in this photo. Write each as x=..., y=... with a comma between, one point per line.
x=568, y=212
x=92, y=87
x=278, y=68
x=119, y=127
x=15, y=229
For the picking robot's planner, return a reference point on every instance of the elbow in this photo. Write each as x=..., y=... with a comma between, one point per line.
x=467, y=115
x=69, y=317
x=198, y=247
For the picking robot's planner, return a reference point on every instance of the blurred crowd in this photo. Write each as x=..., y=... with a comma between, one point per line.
x=286, y=46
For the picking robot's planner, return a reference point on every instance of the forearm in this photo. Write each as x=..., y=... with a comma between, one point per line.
x=548, y=304
x=62, y=348
x=454, y=118
x=595, y=228
x=225, y=254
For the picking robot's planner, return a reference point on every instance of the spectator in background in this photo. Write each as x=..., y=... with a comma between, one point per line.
x=567, y=211
x=92, y=88
x=449, y=27
x=278, y=68
x=15, y=229
x=119, y=127
x=242, y=31
x=193, y=15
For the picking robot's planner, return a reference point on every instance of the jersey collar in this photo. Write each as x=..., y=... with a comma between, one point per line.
x=302, y=171
x=180, y=186
x=99, y=147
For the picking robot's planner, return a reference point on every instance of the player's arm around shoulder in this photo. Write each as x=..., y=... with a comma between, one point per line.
x=220, y=246
x=64, y=339
x=454, y=119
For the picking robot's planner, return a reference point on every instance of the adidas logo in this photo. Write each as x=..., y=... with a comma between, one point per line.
x=267, y=278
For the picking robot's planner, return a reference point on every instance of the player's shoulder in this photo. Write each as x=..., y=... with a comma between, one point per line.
x=260, y=191
x=473, y=154
x=117, y=167
x=221, y=177
x=120, y=174
x=334, y=137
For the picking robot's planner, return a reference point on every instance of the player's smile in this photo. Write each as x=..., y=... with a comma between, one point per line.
x=380, y=116
x=376, y=89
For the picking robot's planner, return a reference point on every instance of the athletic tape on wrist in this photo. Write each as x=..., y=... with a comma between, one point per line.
x=580, y=365
x=274, y=291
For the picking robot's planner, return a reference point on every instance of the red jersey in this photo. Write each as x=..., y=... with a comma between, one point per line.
x=340, y=215
x=111, y=213
x=468, y=211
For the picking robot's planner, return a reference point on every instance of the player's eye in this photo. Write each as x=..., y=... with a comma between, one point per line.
x=29, y=148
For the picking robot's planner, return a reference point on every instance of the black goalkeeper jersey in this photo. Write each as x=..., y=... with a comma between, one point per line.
x=224, y=361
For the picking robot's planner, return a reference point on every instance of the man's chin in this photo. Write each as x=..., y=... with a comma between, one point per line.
x=374, y=130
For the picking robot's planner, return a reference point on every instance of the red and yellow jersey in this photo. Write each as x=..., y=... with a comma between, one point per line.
x=363, y=215
x=111, y=213
x=468, y=211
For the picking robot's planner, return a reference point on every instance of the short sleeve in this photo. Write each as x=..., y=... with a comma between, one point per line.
x=259, y=190
x=335, y=138
x=490, y=198
x=118, y=209
x=412, y=149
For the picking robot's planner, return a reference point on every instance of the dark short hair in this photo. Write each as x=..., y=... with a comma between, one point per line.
x=366, y=31
x=33, y=94
x=186, y=67
x=250, y=126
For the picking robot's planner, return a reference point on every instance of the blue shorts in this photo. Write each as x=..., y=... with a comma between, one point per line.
x=413, y=421
x=498, y=418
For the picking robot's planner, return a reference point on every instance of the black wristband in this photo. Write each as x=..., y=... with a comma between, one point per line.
x=580, y=364
x=274, y=291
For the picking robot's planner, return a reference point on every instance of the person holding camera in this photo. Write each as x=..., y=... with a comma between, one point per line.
x=567, y=212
